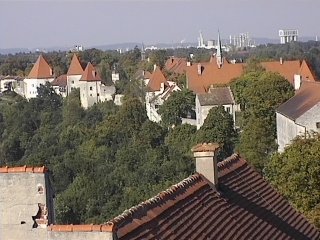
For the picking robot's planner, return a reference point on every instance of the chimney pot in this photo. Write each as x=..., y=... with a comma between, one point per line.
x=281, y=61
x=206, y=161
x=199, y=69
x=154, y=67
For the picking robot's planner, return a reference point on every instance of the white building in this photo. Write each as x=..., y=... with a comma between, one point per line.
x=158, y=91
x=40, y=73
x=74, y=74
x=299, y=115
x=221, y=96
x=288, y=35
x=92, y=90
x=60, y=85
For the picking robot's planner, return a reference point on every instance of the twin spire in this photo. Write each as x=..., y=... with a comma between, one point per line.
x=219, y=56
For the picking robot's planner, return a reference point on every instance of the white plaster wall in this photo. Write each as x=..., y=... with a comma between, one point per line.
x=287, y=130
x=73, y=82
x=19, y=200
x=89, y=93
x=31, y=85
x=80, y=235
x=310, y=118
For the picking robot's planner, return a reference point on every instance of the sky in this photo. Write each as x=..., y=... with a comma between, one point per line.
x=65, y=23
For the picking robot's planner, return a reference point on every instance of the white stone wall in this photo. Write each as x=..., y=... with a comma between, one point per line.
x=19, y=201
x=31, y=85
x=79, y=235
x=310, y=118
x=287, y=130
x=203, y=111
x=73, y=82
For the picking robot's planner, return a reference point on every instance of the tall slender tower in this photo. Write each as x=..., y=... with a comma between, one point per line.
x=219, y=56
x=143, y=53
x=200, y=41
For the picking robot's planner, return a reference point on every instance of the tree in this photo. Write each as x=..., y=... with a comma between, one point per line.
x=179, y=105
x=218, y=127
x=295, y=174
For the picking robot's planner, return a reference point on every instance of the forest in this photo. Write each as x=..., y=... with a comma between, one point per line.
x=108, y=158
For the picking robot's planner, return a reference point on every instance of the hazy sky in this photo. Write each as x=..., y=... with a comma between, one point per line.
x=46, y=23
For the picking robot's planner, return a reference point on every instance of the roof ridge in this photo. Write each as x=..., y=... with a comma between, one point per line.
x=156, y=199
x=23, y=169
x=229, y=164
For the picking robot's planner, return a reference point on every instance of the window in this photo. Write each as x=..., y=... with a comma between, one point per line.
x=72, y=82
x=98, y=94
x=90, y=88
x=90, y=95
x=156, y=106
x=318, y=124
x=32, y=85
x=228, y=109
x=40, y=189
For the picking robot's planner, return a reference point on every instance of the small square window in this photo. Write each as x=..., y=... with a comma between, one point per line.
x=98, y=94
x=90, y=95
x=90, y=88
x=72, y=82
x=318, y=124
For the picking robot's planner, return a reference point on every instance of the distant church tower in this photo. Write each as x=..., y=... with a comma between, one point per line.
x=219, y=56
x=143, y=53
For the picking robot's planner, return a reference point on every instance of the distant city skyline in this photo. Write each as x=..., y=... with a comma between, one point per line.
x=38, y=24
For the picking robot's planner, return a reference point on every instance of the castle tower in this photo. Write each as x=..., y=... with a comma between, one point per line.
x=74, y=74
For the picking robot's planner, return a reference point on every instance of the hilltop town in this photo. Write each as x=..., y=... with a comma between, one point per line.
x=204, y=142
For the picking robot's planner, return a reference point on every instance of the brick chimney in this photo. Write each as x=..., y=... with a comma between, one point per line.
x=206, y=161
x=199, y=69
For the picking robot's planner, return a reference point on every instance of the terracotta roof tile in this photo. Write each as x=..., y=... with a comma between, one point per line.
x=213, y=75
x=60, y=81
x=81, y=228
x=156, y=79
x=305, y=98
x=243, y=207
x=216, y=96
x=90, y=74
x=41, y=69
x=176, y=65
x=75, y=67
x=23, y=169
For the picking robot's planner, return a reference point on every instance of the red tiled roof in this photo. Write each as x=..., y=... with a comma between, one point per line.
x=41, y=69
x=305, y=98
x=75, y=67
x=23, y=169
x=213, y=75
x=156, y=79
x=176, y=65
x=81, y=228
x=90, y=74
x=60, y=81
x=243, y=207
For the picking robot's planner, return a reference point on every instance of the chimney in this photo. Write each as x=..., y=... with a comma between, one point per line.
x=297, y=81
x=188, y=64
x=154, y=67
x=199, y=69
x=281, y=61
x=206, y=161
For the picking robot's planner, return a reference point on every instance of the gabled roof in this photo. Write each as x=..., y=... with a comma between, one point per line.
x=305, y=98
x=211, y=74
x=75, y=67
x=60, y=81
x=306, y=72
x=176, y=65
x=216, y=96
x=41, y=69
x=287, y=69
x=90, y=74
x=244, y=206
x=156, y=79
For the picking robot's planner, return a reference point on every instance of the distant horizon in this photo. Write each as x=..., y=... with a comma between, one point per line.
x=49, y=24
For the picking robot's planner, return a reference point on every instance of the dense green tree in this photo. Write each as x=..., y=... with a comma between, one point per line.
x=179, y=105
x=218, y=127
x=295, y=173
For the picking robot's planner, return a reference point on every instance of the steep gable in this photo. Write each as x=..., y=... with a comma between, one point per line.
x=75, y=67
x=41, y=69
x=90, y=74
x=156, y=79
